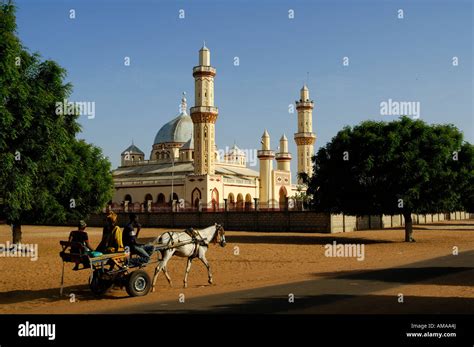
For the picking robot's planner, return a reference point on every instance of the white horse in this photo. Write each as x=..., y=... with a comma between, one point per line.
x=190, y=249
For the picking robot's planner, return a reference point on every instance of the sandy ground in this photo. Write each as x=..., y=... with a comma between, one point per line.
x=250, y=260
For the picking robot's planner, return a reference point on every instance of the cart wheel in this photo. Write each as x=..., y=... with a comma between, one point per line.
x=138, y=283
x=98, y=285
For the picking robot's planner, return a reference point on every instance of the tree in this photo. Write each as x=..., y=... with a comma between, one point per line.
x=43, y=164
x=301, y=196
x=404, y=166
x=86, y=186
x=465, y=167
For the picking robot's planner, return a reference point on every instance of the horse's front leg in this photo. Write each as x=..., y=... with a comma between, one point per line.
x=206, y=263
x=188, y=268
x=161, y=265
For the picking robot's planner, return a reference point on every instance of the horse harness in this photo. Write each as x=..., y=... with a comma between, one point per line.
x=197, y=241
x=196, y=237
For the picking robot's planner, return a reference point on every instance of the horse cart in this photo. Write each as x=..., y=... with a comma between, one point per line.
x=114, y=269
x=106, y=270
x=126, y=270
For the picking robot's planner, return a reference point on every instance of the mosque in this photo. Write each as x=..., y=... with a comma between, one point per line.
x=186, y=172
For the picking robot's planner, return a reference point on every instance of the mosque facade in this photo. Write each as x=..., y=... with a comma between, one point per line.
x=185, y=171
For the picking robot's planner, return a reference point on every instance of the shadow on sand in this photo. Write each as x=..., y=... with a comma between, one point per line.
x=428, y=275
x=82, y=292
x=338, y=304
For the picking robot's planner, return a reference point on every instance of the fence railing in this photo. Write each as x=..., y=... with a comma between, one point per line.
x=185, y=206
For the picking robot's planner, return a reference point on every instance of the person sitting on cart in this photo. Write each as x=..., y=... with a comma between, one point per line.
x=105, y=235
x=80, y=236
x=130, y=239
x=112, y=236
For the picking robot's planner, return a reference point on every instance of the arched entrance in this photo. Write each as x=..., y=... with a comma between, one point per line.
x=248, y=202
x=215, y=199
x=195, y=197
x=240, y=202
x=231, y=201
x=161, y=199
x=282, y=198
x=128, y=198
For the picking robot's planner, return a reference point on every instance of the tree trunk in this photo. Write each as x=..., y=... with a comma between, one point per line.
x=16, y=232
x=408, y=228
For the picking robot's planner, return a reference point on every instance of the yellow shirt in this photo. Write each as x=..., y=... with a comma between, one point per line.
x=115, y=243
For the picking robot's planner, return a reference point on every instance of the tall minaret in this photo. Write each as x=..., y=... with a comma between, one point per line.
x=265, y=156
x=305, y=137
x=283, y=157
x=204, y=114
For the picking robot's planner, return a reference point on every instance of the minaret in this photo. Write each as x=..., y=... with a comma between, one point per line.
x=204, y=114
x=265, y=156
x=283, y=157
x=305, y=137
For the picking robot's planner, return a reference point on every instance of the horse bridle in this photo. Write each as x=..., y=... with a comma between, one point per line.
x=222, y=242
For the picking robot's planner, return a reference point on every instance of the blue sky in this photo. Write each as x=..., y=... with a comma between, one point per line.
x=406, y=59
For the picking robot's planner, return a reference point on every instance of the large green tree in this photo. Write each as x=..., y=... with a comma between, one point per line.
x=404, y=166
x=46, y=174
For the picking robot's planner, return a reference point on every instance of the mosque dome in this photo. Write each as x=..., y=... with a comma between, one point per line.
x=179, y=129
x=189, y=145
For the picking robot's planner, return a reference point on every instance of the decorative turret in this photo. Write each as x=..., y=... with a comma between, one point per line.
x=283, y=157
x=204, y=56
x=183, y=107
x=266, y=156
x=235, y=156
x=132, y=154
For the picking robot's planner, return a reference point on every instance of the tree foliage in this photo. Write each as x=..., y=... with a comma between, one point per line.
x=43, y=165
x=404, y=166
